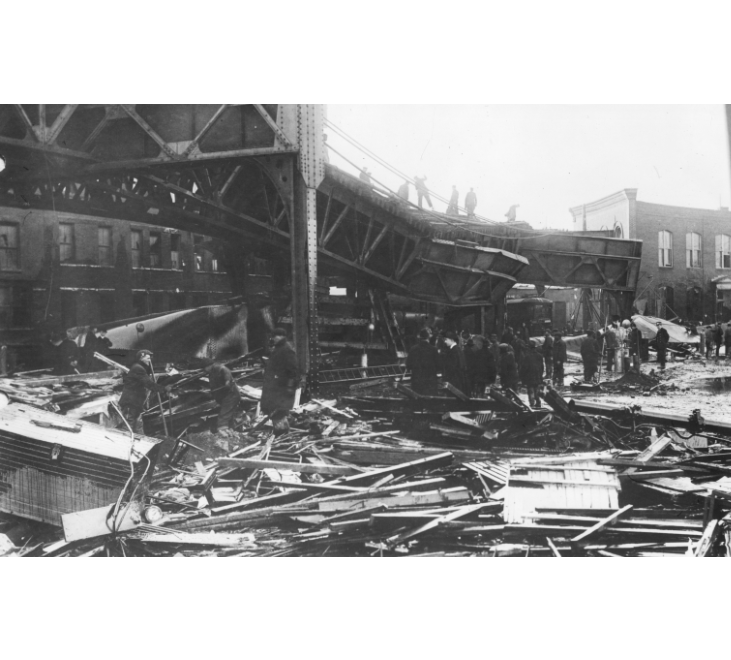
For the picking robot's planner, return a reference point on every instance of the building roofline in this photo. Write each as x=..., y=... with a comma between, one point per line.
x=629, y=194
x=650, y=206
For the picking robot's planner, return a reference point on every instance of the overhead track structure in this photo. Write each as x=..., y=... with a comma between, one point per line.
x=257, y=175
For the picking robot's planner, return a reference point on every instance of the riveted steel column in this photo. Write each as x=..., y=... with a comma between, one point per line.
x=310, y=121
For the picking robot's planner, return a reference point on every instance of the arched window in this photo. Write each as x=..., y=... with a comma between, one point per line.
x=693, y=249
x=723, y=251
x=665, y=249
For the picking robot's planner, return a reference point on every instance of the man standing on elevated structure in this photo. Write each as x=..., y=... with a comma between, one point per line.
x=470, y=202
x=422, y=191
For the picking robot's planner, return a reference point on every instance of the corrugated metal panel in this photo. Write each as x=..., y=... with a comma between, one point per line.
x=580, y=485
x=47, y=472
x=18, y=419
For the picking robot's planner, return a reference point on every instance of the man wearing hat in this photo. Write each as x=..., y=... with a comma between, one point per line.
x=423, y=362
x=281, y=377
x=224, y=391
x=453, y=364
x=507, y=368
x=136, y=383
x=531, y=373
x=662, y=339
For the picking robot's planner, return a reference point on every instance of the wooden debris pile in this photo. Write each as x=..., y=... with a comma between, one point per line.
x=504, y=480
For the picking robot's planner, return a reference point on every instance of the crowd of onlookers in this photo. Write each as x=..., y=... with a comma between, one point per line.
x=472, y=363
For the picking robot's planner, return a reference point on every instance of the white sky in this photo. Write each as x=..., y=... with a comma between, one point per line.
x=546, y=158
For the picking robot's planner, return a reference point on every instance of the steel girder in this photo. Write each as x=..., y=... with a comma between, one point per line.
x=581, y=261
x=120, y=137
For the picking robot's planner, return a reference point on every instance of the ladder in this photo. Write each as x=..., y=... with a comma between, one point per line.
x=359, y=373
x=382, y=309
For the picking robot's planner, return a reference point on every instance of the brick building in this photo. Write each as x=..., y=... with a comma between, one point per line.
x=59, y=270
x=686, y=253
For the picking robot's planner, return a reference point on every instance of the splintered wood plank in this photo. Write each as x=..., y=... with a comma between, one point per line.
x=308, y=468
x=432, y=524
x=706, y=542
x=653, y=450
x=602, y=524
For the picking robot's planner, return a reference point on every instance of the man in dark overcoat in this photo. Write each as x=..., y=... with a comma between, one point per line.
x=281, y=379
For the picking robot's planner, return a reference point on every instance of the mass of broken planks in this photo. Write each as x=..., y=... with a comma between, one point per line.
x=392, y=476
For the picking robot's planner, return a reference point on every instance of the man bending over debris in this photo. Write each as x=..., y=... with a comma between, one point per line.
x=281, y=377
x=136, y=381
x=531, y=373
x=590, y=354
x=225, y=393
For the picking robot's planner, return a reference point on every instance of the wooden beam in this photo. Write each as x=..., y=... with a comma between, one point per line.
x=705, y=545
x=654, y=449
x=602, y=524
x=305, y=468
x=432, y=524
x=420, y=465
x=553, y=547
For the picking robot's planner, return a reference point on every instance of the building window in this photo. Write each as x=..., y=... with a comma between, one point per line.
x=175, y=251
x=693, y=247
x=177, y=301
x=9, y=259
x=7, y=309
x=136, y=238
x=106, y=306
x=155, y=249
x=694, y=303
x=665, y=249
x=214, y=264
x=66, y=242
x=105, y=246
x=69, y=311
x=139, y=303
x=198, y=252
x=723, y=251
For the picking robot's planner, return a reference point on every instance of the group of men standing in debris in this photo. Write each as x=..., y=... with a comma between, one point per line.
x=281, y=380
x=471, y=363
x=68, y=356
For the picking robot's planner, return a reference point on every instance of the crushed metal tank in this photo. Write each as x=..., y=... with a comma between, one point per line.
x=51, y=465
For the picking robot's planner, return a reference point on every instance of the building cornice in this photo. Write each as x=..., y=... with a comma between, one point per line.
x=627, y=194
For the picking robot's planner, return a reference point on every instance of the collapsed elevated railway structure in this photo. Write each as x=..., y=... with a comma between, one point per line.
x=256, y=178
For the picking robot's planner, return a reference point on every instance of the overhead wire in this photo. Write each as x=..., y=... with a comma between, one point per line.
x=461, y=223
x=449, y=220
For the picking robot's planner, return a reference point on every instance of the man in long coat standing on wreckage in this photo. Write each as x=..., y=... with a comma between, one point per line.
x=662, y=339
x=453, y=364
x=136, y=383
x=281, y=378
x=423, y=362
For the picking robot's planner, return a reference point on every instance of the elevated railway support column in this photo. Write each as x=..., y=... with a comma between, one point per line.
x=303, y=243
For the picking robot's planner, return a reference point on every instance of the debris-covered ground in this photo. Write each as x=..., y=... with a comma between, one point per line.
x=375, y=470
